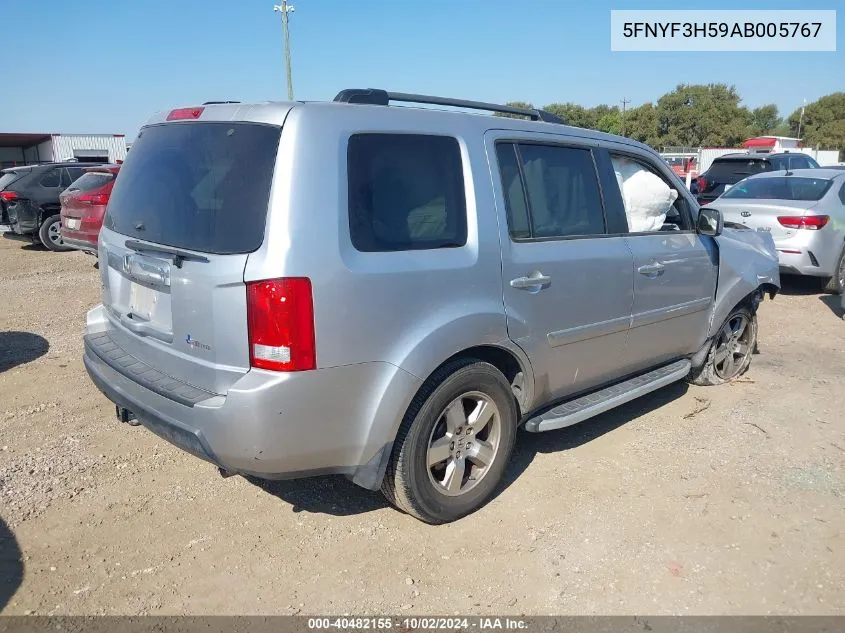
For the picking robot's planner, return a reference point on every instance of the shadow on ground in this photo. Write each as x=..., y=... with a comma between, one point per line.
x=19, y=348
x=11, y=565
x=834, y=302
x=340, y=497
x=793, y=285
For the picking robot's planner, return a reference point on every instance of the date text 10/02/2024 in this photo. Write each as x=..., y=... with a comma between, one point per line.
x=417, y=623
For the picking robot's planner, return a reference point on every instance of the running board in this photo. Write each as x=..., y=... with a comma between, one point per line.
x=585, y=407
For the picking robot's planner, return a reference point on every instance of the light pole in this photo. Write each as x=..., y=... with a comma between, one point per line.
x=801, y=119
x=625, y=103
x=285, y=9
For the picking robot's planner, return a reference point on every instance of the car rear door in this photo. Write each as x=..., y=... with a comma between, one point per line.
x=188, y=208
x=675, y=272
x=567, y=281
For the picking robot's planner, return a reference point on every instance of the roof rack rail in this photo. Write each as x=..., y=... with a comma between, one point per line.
x=374, y=96
x=219, y=102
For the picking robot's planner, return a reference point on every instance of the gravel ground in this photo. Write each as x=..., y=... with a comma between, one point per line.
x=692, y=500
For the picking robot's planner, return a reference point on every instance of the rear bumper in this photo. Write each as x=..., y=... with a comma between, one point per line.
x=83, y=238
x=80, y=245
x=23, y=217
x=812, y=253
x=338, y=420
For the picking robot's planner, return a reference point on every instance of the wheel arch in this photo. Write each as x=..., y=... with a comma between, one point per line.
x=505, y=356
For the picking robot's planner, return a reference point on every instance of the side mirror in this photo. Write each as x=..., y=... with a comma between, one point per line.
x=710, y=222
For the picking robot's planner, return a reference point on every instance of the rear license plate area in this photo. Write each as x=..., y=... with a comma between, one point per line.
x=73, y=223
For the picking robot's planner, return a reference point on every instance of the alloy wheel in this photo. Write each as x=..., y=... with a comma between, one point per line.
x=464, y=443
x=733, y=346
x=55, y=235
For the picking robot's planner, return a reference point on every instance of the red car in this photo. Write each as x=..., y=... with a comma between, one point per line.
x=84, y=206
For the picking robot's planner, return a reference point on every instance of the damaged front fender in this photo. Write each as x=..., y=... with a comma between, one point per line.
x=748, y=262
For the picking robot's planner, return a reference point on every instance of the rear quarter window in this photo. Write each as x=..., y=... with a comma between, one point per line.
x=406, y=192
x=51, y=179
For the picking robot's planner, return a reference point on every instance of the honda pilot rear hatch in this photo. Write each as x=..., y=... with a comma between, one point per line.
x=189, y=206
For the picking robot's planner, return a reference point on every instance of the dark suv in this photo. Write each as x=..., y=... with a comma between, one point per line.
x=29, y=200
x=731, y=168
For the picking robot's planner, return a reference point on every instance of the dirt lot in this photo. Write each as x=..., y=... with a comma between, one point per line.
x=693, y=500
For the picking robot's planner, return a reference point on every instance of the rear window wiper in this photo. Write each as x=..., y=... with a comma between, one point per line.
x=177, y=254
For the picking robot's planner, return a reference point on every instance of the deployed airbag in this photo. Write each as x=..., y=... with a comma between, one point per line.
x=647, y=198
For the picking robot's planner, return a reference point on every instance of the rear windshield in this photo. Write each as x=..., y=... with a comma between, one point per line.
x=780, y=188
x=90, y=181
x=721, y=169
x=8, y=178
x=198, y=186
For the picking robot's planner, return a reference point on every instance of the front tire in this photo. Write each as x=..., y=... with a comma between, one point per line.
x=454, y=443
x=50, y=234
x=731, y=350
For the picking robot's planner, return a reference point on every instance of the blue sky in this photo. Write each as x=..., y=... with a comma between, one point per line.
x=149, y=55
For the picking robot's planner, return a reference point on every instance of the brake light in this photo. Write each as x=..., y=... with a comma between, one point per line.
x=280, y=320
x=180, y=114
x=702, y=183
x=809, y=222
x=8, y=196
x=98, y=199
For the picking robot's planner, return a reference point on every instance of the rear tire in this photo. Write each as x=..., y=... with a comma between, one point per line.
x=454, y=443
x=730, y=352
x=50, y=234
x=836, y=284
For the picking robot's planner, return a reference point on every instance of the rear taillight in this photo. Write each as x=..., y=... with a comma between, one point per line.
x=809, y=222
x=702, y=183
x=280, y=318
x=99, y=199
x=8, y=196
x=180, y=114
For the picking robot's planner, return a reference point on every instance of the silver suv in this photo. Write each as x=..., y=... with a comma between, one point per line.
x=292, y=289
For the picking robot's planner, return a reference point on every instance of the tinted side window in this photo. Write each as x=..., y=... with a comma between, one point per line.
x=66, y=178
x=649, y=206
x=406, y=192
x=563, y=191
x=51, y=179
x=842, y=193
x=800, y=162
x=519, y=225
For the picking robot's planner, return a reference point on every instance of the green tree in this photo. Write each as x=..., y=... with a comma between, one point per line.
x=764, y=120
x=702, y=116
x=610, y=122
x=642, y=124
x=824, y=123
x=516, y=104
x=573, y=114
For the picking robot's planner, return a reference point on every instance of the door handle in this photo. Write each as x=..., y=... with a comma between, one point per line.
x=654, y=269
x=535, y=280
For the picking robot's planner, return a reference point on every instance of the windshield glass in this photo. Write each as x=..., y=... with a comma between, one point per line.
x=721, y=169
x=780, y=188
x=90, y=181
x=198, y=186
x=8, y=178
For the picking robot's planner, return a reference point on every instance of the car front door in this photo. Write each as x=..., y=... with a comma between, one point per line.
x=567, y=282
x=674, y=269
